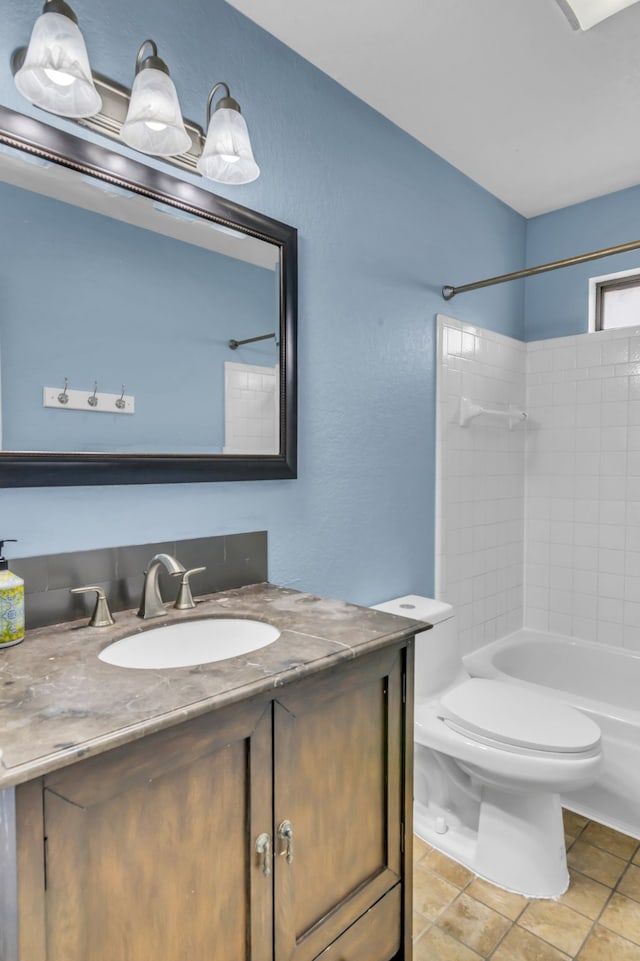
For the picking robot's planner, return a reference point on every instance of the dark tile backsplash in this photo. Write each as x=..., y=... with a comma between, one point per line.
x=232, y=560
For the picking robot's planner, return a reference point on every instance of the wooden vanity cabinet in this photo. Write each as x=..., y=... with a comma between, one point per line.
x=150, y=850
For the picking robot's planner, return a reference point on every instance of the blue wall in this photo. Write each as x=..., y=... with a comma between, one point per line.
x=556, y=303
x=383, y=224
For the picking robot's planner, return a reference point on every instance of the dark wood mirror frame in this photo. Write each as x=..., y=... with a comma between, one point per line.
x=53, y=469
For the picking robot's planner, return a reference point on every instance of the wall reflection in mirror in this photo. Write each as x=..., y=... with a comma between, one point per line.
x=104, y=286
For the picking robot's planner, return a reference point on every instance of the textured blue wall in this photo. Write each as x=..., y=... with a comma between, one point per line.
x=383, y=224
x=556, y=303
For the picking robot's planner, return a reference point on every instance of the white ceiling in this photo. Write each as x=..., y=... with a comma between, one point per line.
x=539, y=114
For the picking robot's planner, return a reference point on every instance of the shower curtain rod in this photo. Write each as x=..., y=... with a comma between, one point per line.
x=448, y=292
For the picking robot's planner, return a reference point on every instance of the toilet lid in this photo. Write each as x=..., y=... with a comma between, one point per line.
x=514, y=715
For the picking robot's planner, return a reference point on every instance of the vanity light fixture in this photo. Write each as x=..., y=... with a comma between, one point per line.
x=227, y=156
x=154, y=123
x=55, y=72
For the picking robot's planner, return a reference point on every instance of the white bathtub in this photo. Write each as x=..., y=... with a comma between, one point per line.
x=601, y=681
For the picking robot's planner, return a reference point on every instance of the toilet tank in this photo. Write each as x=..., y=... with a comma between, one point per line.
x=437, y=661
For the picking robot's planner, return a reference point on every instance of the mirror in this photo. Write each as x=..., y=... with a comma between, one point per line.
x=147, y=326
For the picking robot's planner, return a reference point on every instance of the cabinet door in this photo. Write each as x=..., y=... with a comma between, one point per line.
x=338, y=783
x=151, y=847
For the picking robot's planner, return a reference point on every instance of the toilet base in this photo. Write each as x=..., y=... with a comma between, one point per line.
x=519, y=843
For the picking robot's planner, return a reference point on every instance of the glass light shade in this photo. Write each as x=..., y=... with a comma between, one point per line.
x=584, y=14
x=56, y=74
x=227, y=156
x=154, y=122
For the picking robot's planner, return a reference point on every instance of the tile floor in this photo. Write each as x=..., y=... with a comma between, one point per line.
x=458, y=917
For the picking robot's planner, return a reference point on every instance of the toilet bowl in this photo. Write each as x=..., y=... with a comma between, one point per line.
x=491, y=760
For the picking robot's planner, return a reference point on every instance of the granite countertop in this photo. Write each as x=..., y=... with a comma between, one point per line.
x=59, y=702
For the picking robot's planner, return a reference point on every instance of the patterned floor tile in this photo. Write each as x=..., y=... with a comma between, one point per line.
x=561, y=926
x=596, y=863
x=420, y=848
x=474, y=924
x=447, y=868
x=604, y=945
x=622, y=916
x=585, y=895
x=612, y=841
x=460, y=917
x=437, y=945
x=521, y=945
x=630, y=883
x=573, y=823
x=431, y=894
x=420, y=924
x=504, y=902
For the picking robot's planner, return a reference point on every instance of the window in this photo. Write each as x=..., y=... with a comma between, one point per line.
x=614, y=300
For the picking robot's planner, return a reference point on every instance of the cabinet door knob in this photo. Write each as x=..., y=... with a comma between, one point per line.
x=285, y=833
x=263, y=848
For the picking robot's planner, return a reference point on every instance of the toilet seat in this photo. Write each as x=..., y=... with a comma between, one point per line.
x=505, y=715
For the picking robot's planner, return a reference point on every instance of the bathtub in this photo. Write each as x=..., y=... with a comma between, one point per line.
x=601, y=681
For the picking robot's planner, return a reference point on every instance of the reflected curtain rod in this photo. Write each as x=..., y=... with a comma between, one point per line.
x=234, y=344
x=449, y=292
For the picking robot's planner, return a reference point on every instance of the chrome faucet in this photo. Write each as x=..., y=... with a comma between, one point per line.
x=151, y=603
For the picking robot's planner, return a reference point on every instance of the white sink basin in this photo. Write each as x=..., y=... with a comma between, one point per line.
x=190, y=642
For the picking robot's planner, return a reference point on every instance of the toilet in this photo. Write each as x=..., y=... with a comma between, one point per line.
x=491, y=760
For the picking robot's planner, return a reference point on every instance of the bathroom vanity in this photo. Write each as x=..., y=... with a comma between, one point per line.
x=254, y=808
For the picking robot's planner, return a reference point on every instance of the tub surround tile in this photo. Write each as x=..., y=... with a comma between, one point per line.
x=581, y=443
x=474, y=924
x=557, y=924
x=521, y=945
x=595, y=863
x=604, y=945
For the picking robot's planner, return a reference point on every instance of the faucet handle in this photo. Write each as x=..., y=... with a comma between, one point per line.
x=101, y=616
x=184, y=600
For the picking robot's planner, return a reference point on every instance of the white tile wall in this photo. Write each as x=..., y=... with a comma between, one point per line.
x=251, y=418
x=582, y=559
x=480, y=482
x=554, y=507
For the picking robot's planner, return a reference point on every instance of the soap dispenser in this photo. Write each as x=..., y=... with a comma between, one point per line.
x=11, y=603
